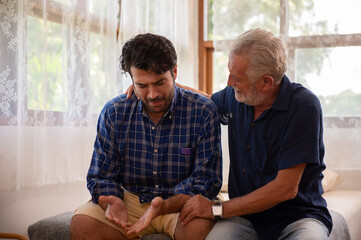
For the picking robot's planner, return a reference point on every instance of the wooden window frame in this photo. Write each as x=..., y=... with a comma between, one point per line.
x=205, y=54
x=206, y=49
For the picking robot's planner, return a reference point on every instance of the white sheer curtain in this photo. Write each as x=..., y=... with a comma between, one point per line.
x=174, y=19
x=58, y=67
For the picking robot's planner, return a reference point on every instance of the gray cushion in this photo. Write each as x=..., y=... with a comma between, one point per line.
x=339, y=229
x=58, y=228
x=156, y=237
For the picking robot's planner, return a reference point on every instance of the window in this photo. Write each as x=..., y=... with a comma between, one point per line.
x=44, y=57
x=323, y=46
x=51, y=37
x=58, y=61
x=337, y=80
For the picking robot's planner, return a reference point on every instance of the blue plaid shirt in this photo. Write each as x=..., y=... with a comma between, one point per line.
x=181, y=154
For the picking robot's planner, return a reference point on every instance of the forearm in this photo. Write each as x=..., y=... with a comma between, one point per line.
x=194, y=90
x=254, y=202
x=284, y=187
x=174, y=204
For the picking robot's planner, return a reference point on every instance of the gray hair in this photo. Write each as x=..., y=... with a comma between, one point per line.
x=265, y=52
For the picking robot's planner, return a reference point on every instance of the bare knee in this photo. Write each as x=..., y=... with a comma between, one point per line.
x=197, y=229
x=82, y=226
x=86, y=227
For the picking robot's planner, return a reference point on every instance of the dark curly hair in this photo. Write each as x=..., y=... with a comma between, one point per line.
x=148, y=52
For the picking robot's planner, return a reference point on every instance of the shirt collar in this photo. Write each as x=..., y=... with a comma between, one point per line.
x=284, y=96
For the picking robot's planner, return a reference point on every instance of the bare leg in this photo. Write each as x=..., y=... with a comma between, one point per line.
x=197, y=229
x=85, y=227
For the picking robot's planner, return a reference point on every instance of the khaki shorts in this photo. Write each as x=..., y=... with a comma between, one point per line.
x=163, y=224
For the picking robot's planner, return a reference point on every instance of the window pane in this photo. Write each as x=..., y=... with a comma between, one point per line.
x=321, y=17
x=46, y=83
x=99, y=7
x=233, y=17
x=67, y=2
x=101, y=85
x=220, y=70
x=338, y=80
x=208, y=19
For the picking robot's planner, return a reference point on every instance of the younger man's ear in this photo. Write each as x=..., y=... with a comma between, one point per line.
x=175, y=72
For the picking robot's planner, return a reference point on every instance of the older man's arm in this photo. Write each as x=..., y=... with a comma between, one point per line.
x=284, y=187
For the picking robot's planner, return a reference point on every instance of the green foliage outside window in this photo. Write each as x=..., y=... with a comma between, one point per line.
x=230, y=18
x=46, y=83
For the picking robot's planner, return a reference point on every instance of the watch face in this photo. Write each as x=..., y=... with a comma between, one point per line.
x=217, y=210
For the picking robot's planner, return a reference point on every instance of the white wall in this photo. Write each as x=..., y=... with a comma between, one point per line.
x=36, y=156
x=21, y=208
x=28, y=176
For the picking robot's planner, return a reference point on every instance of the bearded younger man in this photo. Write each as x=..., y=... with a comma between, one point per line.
x=152, y=152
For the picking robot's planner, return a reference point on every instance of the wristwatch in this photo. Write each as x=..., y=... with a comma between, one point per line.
x=217, y=210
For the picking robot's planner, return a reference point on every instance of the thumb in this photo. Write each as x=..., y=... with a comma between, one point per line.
x=105, y=199
x=156, y=201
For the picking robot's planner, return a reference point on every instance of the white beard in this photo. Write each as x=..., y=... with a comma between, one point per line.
x=253, y=98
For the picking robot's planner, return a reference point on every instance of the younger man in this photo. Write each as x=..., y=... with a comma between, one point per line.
x=152, y=153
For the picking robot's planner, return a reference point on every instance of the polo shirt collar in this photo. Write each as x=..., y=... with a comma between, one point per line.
x=284, y=96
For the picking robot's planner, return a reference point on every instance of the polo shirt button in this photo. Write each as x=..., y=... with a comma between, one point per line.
x=155, y=150
x=248, y=147
x=243, y=170
x=157, y=186
x=152, y=128
x=253, y=124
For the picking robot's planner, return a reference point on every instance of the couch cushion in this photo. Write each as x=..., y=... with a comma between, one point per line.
x=58, y=227
x=156, y=237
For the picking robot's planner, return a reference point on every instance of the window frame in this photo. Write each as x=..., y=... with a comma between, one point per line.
x=206, y=49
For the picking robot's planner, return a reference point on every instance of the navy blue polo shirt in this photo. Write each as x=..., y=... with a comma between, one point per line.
x=287, y=134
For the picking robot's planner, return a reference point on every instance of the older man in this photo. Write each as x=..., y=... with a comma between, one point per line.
x=276, y=150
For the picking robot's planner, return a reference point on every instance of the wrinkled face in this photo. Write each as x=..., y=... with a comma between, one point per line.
x=245, y=91
x=155, y=91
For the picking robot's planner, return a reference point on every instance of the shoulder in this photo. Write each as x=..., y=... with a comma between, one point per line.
x=195, y=99
x=302, y=95
x=119, y=104
x=224, y=95
x=304, y=103
x=226, y=101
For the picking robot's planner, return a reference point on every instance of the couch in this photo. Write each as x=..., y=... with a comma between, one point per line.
x=342, y=193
